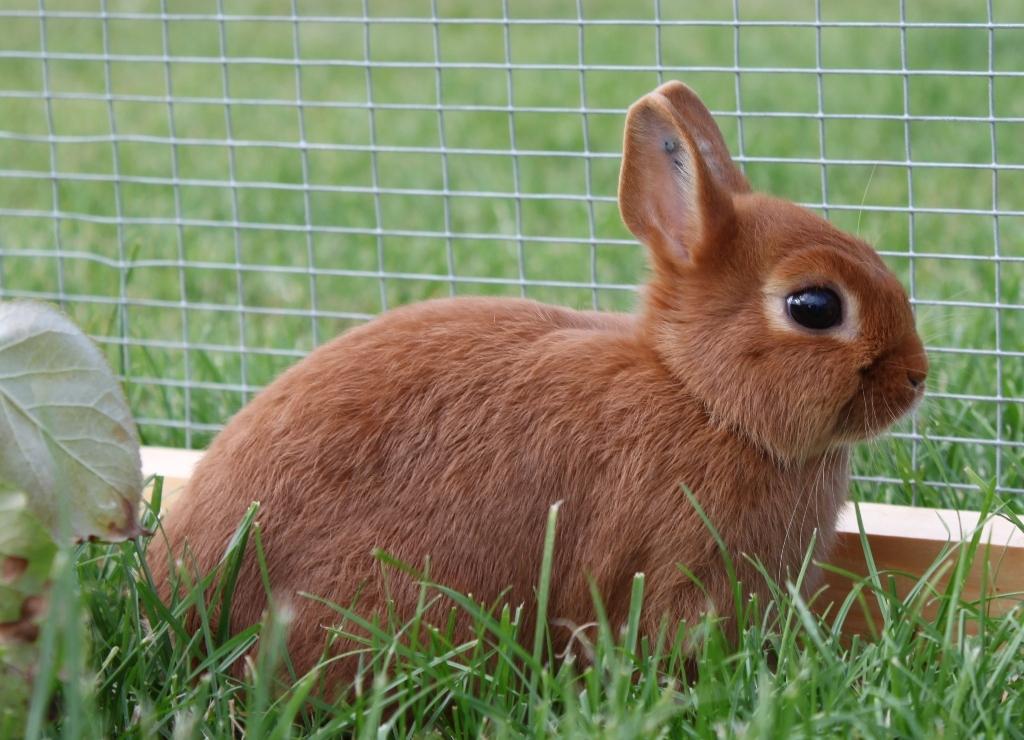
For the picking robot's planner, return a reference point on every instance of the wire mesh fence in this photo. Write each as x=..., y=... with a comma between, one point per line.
x=214, y=187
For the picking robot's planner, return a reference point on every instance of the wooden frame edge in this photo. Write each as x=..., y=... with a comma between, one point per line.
x=904, y=542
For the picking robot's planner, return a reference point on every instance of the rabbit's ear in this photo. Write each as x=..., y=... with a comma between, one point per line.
x=698, y=122
x=675, y=187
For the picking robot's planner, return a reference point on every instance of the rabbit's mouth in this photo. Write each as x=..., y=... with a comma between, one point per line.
x=876, y=404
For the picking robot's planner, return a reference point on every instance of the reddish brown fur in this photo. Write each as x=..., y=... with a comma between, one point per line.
x=448, y=428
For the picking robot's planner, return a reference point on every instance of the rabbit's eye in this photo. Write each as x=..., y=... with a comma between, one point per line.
x=815, y=308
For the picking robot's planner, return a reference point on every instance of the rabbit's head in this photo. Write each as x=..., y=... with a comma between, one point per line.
x=787, y=329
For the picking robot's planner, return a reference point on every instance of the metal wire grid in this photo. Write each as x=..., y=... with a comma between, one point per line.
x=21, y=247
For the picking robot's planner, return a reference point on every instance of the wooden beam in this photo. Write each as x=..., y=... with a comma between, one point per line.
x=173, y=464
x=904, y=541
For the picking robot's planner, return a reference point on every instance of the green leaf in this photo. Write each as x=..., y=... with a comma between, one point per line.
x=67, y=438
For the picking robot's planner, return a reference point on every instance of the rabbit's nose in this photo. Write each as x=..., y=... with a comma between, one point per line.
x=914, y=359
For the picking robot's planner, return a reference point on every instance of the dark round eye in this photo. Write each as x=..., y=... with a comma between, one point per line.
x=815, y=308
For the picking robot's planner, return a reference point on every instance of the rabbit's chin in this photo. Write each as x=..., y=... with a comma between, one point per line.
x=866, y=416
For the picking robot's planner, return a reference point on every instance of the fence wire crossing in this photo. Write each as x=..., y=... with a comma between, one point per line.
x=212, y=188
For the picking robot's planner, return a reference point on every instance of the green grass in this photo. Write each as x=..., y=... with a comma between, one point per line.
x=182, y=395
x=134, y=670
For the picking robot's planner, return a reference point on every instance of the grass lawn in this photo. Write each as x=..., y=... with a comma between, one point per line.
x=205, y=269
x=131, y=669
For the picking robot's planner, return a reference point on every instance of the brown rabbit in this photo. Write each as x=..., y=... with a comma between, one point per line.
x=767, y=342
